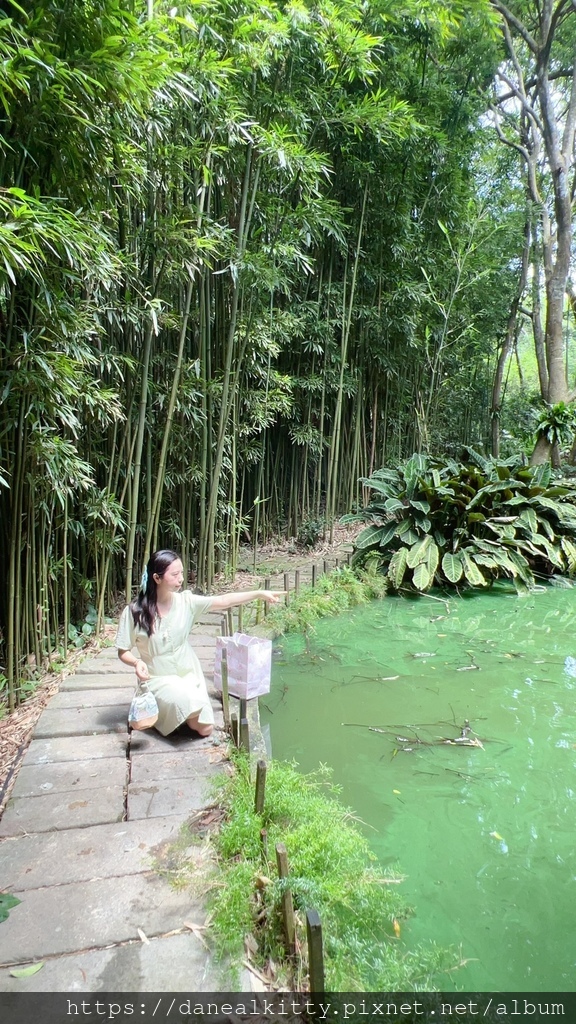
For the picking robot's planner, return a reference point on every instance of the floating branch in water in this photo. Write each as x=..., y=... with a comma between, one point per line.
x=465, y=741
x=467, y=737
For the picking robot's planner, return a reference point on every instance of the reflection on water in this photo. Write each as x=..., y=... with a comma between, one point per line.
x=451, y=726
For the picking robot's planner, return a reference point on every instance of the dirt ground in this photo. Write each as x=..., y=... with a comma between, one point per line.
x=16, y=729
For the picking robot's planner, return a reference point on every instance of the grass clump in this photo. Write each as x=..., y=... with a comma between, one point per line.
x=331, y=870
x=335, y=592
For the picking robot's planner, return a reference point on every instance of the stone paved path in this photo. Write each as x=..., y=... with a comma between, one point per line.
x=92, y=810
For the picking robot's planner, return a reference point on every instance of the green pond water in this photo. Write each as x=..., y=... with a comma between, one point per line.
x=485, y=834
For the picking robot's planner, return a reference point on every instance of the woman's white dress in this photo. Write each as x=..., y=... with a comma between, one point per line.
x=176, y=677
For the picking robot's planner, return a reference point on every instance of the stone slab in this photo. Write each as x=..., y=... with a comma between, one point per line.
x=98, y=851
x=204, y=761
x=185, y=742
x=90, y=681
x=69, y=776
x=204, y=639
x=62, y=810
x=75, y=748
x=81, y=721
x=98, y=698
x=164, y=797
x=109, y=663
x=165, y=964
x=85, y=915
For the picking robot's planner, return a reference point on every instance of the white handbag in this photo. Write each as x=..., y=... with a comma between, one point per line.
x=143, y=706
x=249, y=662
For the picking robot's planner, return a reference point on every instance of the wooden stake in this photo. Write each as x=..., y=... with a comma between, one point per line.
x=264, y=841
x=325, y=567
x=266, y=587
x=313, y=576
x=287, y=904
x=230, y=618
x=244, y=735
x=296, y=581
x=225, y=694
x=260, y=787
x=234, y=728
x=315, y=951
x=287, y=587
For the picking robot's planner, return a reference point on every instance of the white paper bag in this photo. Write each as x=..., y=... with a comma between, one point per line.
x=249, y=660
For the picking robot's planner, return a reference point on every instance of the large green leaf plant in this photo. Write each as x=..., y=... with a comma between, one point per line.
x=448, y=523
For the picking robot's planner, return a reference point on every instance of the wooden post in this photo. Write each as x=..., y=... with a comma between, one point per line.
x=264, y=841
x=244, y=735
x=234, y=728
x=230, y=618
x=260, y=787
x=337, y=563
x=224, y=626
x=287, y=587
x=315, y=951
x=325, y=567
x=349, y=557
x=240, y=617
x=287, y=904
x=243, y=730
x=296, y=581
x=225, y=694
x=313, y=576
x=266, y=587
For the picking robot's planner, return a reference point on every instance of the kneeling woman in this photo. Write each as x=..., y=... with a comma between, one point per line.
x=158, y=625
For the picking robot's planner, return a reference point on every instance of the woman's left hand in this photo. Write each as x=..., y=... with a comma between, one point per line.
x=271, y=596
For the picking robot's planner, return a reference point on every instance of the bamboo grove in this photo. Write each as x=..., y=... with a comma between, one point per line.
x=249, y=254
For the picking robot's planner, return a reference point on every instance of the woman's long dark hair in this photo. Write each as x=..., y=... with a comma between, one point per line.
x=145, y=609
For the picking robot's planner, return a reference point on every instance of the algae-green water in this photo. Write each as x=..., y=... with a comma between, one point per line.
x=485, y=834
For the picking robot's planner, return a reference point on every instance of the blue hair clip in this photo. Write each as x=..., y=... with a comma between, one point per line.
x=144, y=580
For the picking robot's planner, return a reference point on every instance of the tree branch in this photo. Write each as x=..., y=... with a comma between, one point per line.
x=531, y=82
x=512, y=20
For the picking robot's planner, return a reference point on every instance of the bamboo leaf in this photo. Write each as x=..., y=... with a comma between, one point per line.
x=26, y=972
x=7, y=902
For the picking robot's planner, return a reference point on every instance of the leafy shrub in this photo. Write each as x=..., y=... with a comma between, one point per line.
x=331, y=869
x=335, y=592
x=310, y=531
x=445, y=522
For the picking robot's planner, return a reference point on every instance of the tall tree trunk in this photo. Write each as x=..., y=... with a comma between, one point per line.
x=509, y=341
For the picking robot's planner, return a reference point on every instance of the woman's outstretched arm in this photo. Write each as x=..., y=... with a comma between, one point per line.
x=223, y=602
